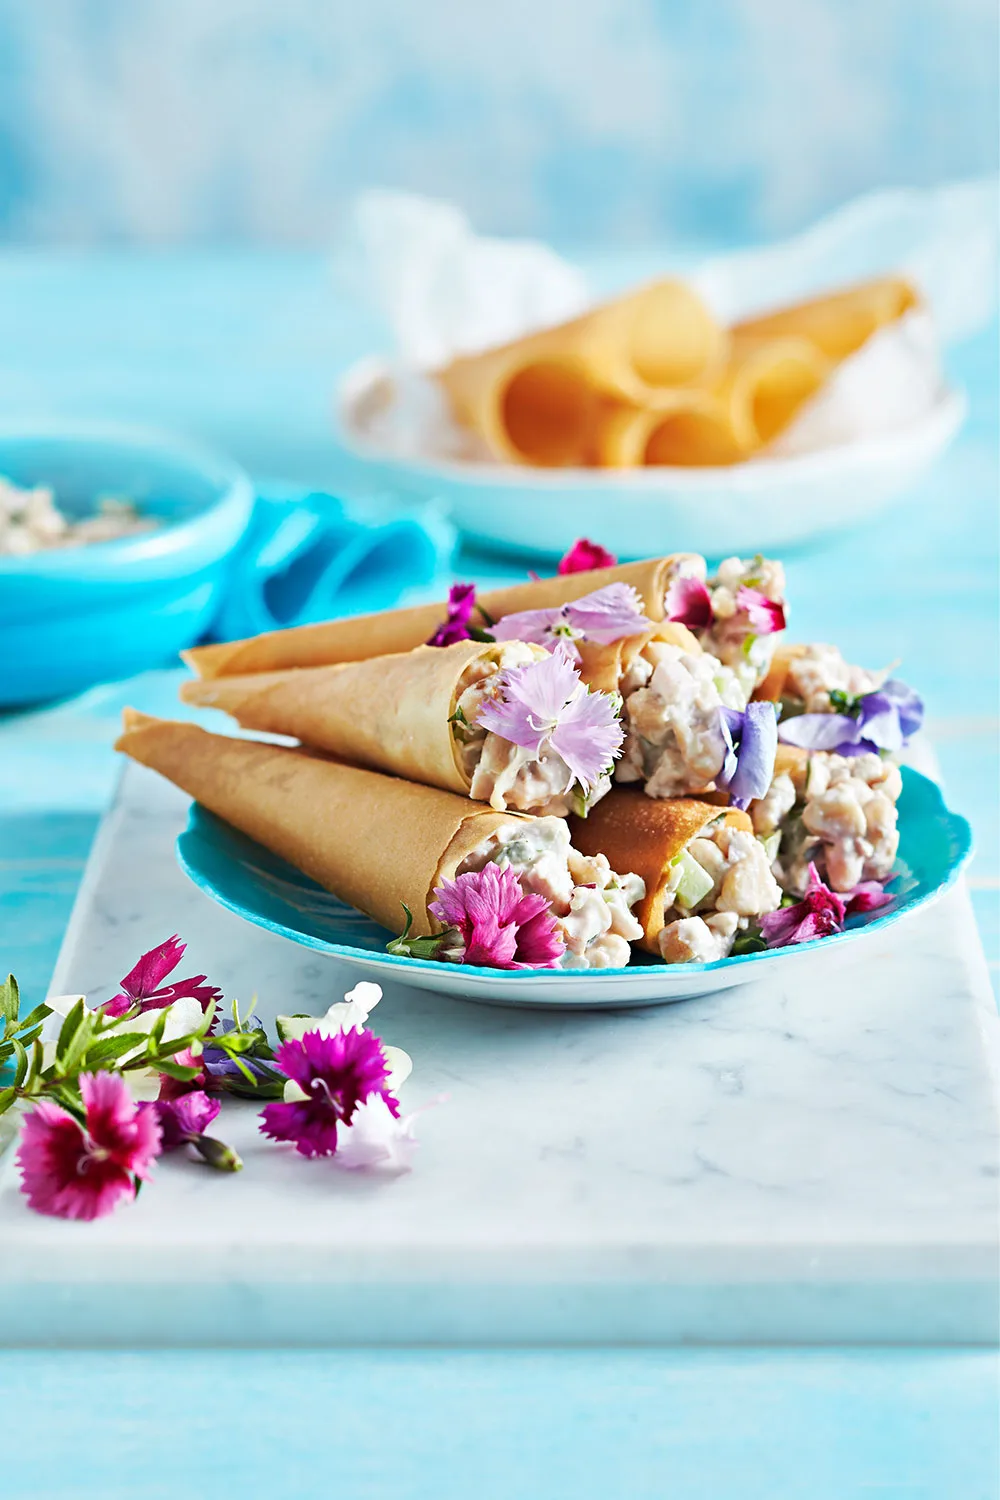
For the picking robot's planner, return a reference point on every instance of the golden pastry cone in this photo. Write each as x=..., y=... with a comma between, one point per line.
x=644, y=834
x=603, y=667
x=376, y=842
x=390, y=713
x=696, y=431
x=363, y=636
x=537, y=400
x=840, y=322
x=772, y=689
x=765, y=384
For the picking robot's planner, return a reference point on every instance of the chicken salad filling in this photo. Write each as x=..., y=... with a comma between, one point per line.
x=719, y=886
x=671, y=702
x=819, y=680
x=592, y=904
x=737, y=614
x=504, y=774
x=844, y=819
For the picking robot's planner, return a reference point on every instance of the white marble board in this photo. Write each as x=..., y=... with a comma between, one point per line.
x=783, y=1162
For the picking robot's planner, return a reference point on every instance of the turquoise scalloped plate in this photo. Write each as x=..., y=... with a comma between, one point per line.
x=246, y=879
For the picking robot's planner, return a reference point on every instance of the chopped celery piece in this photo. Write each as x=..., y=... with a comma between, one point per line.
x=771, y=845
x=694, y=884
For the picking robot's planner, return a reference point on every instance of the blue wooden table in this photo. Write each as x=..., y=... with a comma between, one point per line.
x=243, y=350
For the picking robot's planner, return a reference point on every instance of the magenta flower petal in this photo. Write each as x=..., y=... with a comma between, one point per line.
x=868, y=896
x=545, y=703
x=153, y=967
x=184, y=1118
x=337, y=1073
x=584, y=556
x=765, y=616
x=60, y=1173
x=128, y=1134
x=501, y=926
x=75, y=1171
x=689, y=603
x=455, y=626
x=819, y=913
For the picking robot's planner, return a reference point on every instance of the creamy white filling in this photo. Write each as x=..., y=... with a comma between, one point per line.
x=671, y=701
x=847, y=823
x=731, y=636
x=820, y=671
x=503, y=774
x=592, y=904
x=743, y=888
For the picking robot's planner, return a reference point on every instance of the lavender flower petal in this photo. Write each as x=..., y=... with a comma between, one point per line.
x=756, y=728
x=820, y=732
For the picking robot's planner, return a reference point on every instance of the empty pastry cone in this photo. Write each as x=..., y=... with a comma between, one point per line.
x=390, y=713
x=374, y=841
x=638, y=833
x=839, y=323
x=537, y=400
x=365, y=636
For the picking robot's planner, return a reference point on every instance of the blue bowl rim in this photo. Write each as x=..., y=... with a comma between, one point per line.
x=230, y=510
x=958, y=827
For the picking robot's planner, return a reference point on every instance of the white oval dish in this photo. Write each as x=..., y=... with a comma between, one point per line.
x=764, y=505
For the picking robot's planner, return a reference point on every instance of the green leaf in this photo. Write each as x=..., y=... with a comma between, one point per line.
x=475, y=634
x=177, y=1070
x=69, y=1028
x=69, y=1055
x=10, y=999
x=7, y=1097
x=106, y=1050
x=33, y=1018
x=22, y=1063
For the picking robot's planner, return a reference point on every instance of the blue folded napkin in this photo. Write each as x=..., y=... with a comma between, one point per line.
x=307, y=556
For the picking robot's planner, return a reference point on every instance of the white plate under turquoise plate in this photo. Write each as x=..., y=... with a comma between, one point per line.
x=247, y=879
x=764, y=505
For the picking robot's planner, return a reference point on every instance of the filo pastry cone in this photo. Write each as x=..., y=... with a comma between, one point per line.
x=391, y=713
x=395, y=630
x=537, y=399
x=761, y=389
x=645, y=836
x=374, y=841
x=772, y=689
x=840, y=322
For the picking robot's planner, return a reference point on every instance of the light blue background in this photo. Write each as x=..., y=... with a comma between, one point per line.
x=586, y=120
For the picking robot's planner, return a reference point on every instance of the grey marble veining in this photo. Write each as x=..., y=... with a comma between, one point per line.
x=772, y=1163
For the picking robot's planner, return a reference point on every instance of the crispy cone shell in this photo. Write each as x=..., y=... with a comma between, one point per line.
x=535, y=400
x=603, y=667
x=840, y=323
x=374, y=841
x=765, y=384
x=643, y=835
x=395, y=630
x=772, y=689
x=390, y=713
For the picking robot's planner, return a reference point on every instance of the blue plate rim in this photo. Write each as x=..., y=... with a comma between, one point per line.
x=958, y=827
x=232, y=504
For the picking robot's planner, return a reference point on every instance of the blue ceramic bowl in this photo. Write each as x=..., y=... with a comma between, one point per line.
x=245, y=878
x=79, y=615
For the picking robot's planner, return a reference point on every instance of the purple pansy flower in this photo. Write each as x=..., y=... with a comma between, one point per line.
x=333, y=1074
x=455, y=626
x=881, y=720
x=544, y=705
x=143, y=985
x=689, y=603
x=584, y=556
x=765, y=616
x=500, y=925
x=751, y=738
x=607, y=615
